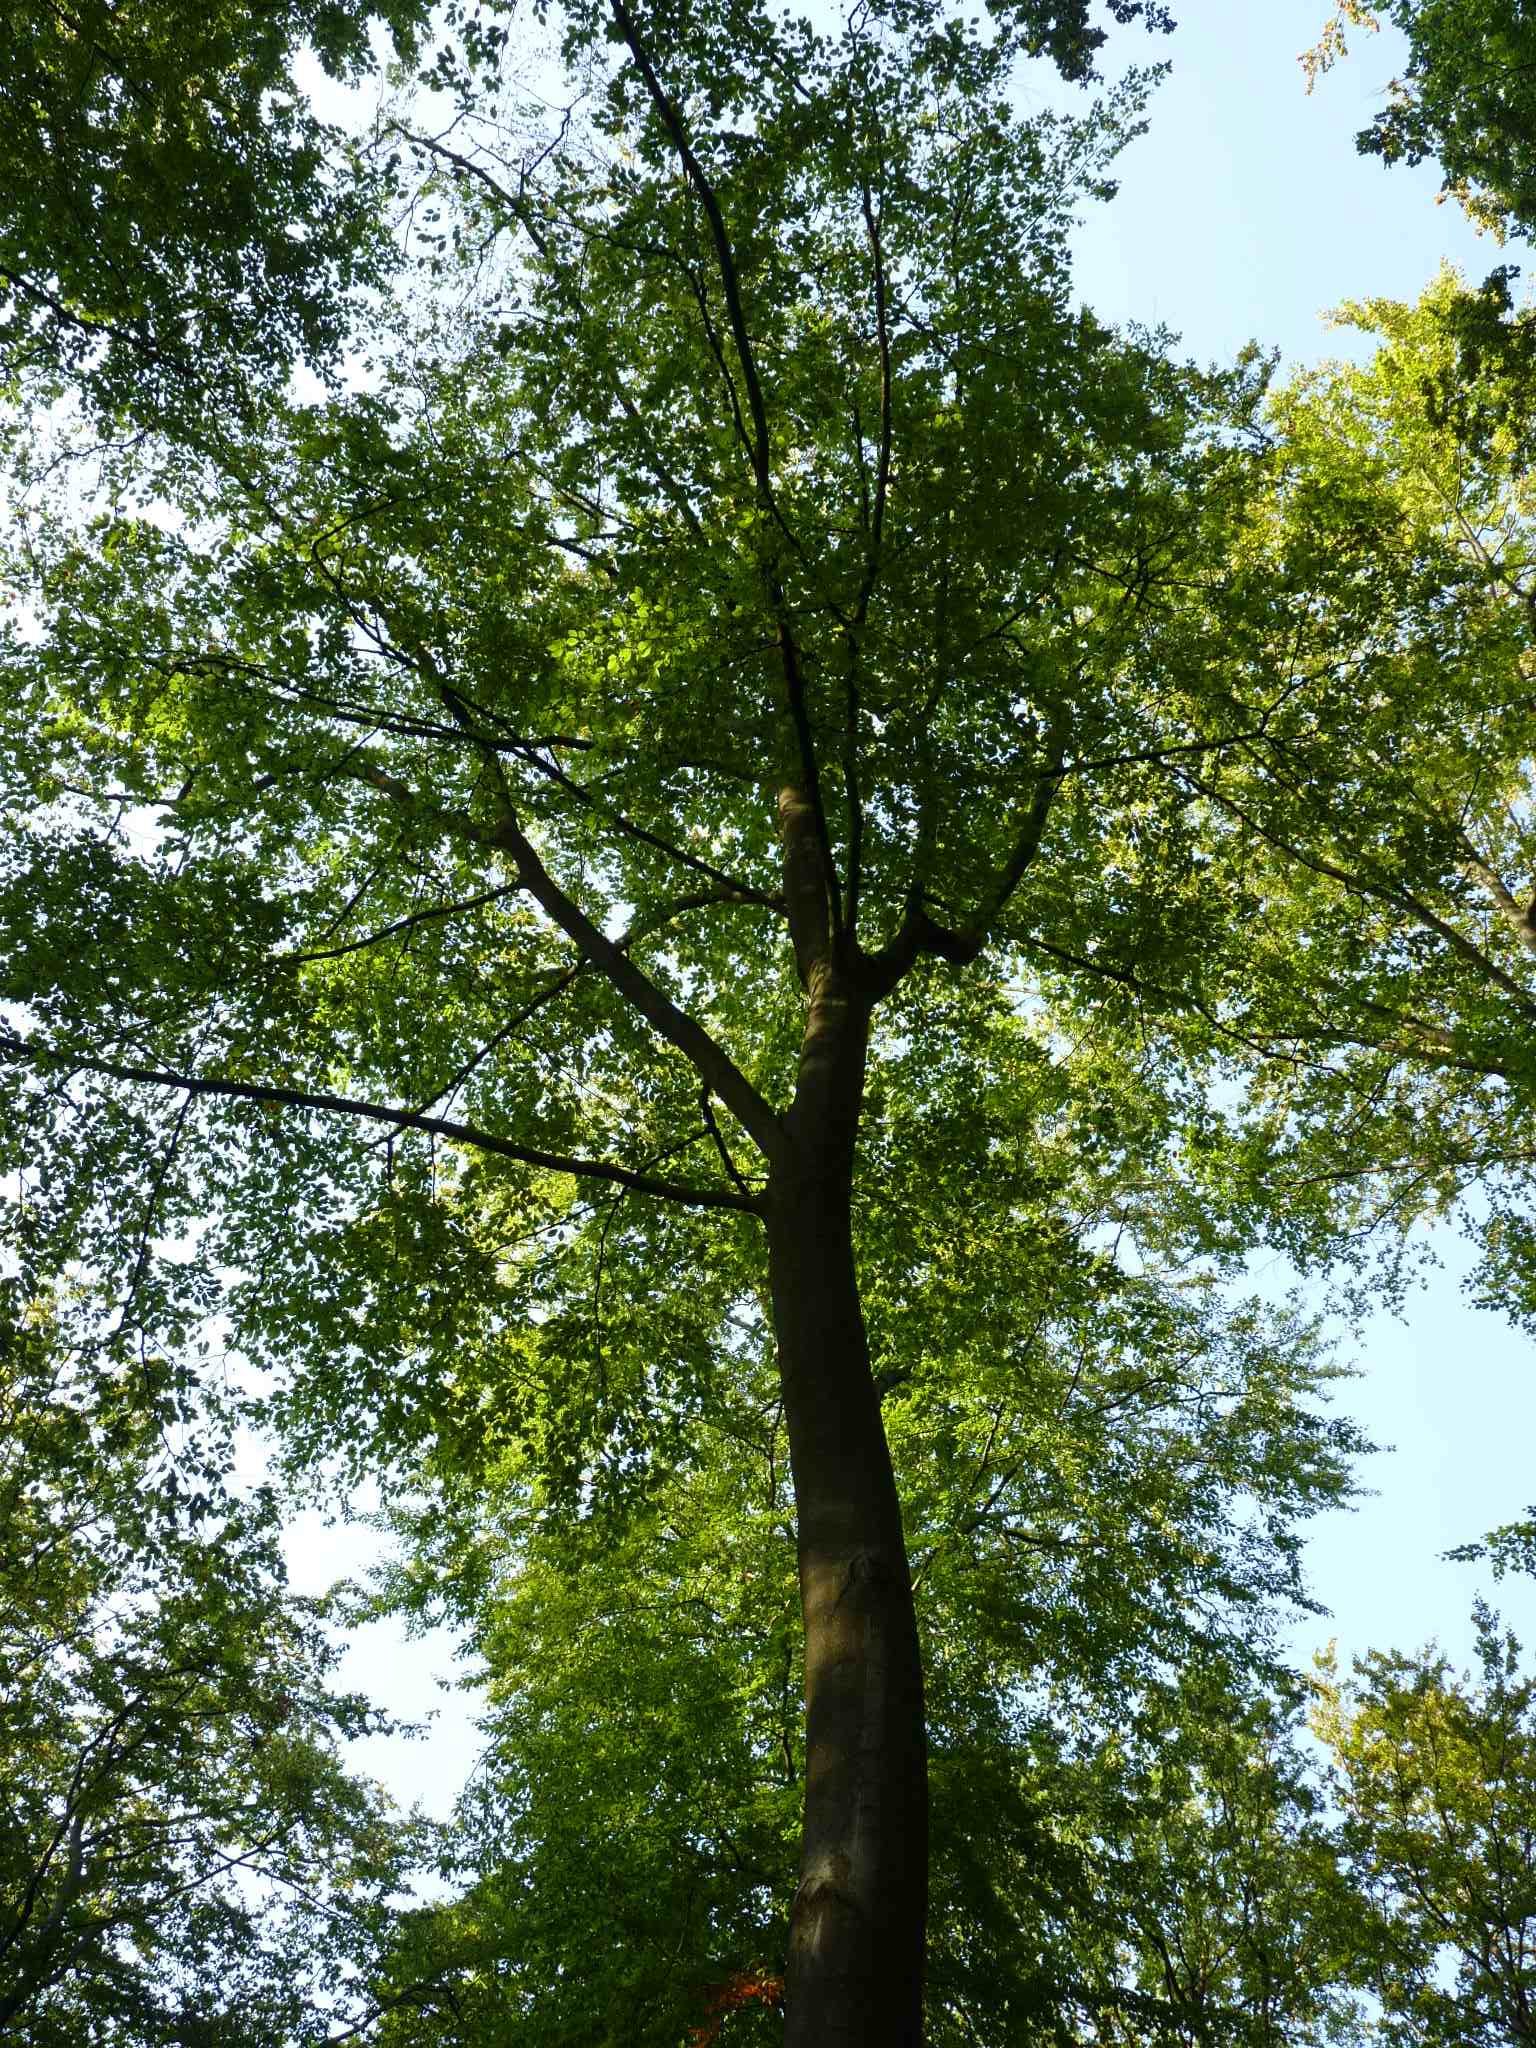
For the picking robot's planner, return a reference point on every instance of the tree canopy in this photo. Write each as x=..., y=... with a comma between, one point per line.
x=1435, y=1781
x=709, y=862
x=1464, y=102
x=183, y=1857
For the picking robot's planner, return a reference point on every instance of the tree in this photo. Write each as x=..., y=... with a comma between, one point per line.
x=183, y=1859
x=1379, y=826
x=1466, y=101
x=1436, y=1776
x=708, y=566
x=738, y=653
x=1223, y=1873
x=178, y=219
x=1433, y=523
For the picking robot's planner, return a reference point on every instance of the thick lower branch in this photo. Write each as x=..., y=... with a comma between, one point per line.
x=1520, y=917
x=378, y=1112
x=710, y=1061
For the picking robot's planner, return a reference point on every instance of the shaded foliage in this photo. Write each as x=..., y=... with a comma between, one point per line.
x=183, y=1854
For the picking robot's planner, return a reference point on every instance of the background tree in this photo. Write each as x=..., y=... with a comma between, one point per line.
x=1222, y=1878
x=1466, y=101
x=178, y=220
x=1436, y=1776
x=183, y=1857
x=1385, y=560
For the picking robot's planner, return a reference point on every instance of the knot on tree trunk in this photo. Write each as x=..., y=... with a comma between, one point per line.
x=866, y=1568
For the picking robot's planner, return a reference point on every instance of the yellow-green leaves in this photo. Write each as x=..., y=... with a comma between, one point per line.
x=1436, y=1781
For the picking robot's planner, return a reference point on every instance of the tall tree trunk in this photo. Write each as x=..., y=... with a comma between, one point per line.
x=858, y=1923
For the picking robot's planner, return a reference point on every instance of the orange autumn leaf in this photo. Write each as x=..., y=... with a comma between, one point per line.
x=742, y=1987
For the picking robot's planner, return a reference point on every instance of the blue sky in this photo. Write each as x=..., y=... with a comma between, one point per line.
x=1449, y=1391
x=1244, y=214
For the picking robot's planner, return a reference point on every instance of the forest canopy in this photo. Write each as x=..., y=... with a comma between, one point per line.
x=689, y=868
